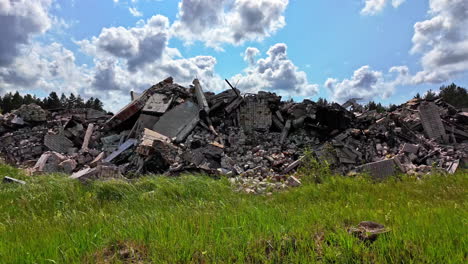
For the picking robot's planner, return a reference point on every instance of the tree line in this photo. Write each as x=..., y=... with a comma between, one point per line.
x=453, y=94
x=12, y=101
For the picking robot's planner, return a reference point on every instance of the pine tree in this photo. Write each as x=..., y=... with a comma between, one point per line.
x=7, y=103
x=71, y=102
x=430, y=95
x=98, y=105
x=63, y=100
x=89, y=103
x=16, y=101
x=28, y=99
x=52, y=102
x=80, y=102
x=454, y=95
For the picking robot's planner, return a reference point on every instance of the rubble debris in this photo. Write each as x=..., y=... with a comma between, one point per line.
x=178, y=122
x=430, y=119
x=87, y=137
x=58, y=143
x=255, y=114
x=126, y=145
x=379, y=169
x=8, y=179
x=157, y=103
x=101, y=172
x=256, y=139
x=293, y=181
x=368, y=231
x=410, y=148
x=31, y=113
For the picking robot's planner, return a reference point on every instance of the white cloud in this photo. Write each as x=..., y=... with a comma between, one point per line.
x=138, y=46
x=215, y=22
x=373, y=7
x=20, y=20
x=250, y=54
x=275, y=73
x=366, y=83
x=397, y=3
x=135, y=12
x=443, y=41
x=47, y=68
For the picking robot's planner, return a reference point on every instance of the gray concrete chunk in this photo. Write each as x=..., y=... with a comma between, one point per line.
x=380, y=169
x=431, y=121
x=179, y=121
x=58, y=143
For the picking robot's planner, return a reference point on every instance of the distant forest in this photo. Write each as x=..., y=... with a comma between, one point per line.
x=14, y=101
x=452, y=94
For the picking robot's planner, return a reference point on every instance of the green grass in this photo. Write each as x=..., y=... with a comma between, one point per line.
x=195, y=219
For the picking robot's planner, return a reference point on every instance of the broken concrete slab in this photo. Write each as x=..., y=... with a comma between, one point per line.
x=157, y=104
x=136, y=105
x=87, y=137
x=380, y=170
x=179, y=121
x=92, y=114
x=431, y=121
x=410, y=148
x=201, y=99
x=146, y=146
x=255, y=115
x=58, y=143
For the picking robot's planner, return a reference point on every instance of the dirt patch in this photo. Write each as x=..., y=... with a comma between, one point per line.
x=121, y=252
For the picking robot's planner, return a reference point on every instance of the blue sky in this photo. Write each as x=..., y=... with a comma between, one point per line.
x=337, y=49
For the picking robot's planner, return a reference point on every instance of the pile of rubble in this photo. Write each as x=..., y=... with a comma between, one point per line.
x=256, y=139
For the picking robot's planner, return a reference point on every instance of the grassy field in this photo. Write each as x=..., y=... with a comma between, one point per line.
x=195, y=219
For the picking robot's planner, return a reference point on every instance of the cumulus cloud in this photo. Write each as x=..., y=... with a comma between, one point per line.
x=138, y=46
x=275, y=73
x=135, y=12
x=373, y=7
x=250, y=54
x=228, y=21
x=45, y=67
x=366, y=83
x=443, y=41
x=20, y=20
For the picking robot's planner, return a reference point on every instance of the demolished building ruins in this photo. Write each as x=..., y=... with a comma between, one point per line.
x=170, y=129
